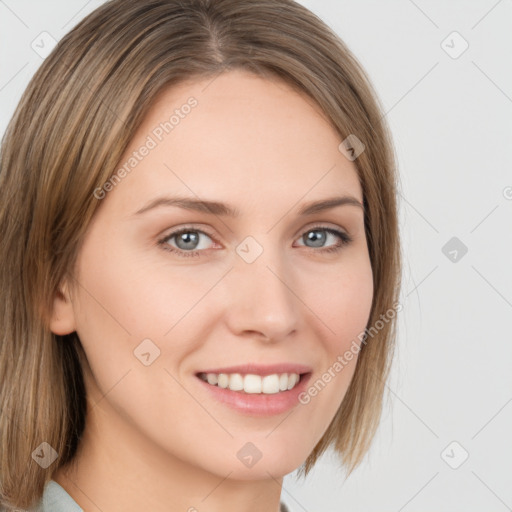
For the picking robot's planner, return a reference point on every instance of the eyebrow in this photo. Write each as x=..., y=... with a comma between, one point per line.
x=222, y=209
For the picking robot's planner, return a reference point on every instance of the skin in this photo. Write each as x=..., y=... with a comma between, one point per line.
x=154, y=439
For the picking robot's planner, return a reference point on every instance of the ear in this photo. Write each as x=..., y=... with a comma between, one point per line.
x=62, y=320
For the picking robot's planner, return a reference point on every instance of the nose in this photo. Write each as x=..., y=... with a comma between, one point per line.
x=261, y=299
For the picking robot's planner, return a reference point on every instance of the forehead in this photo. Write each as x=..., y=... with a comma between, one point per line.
x=238, y=135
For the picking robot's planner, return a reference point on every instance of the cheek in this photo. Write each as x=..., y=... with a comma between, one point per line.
x=112, y=308
x=124, y=294
x=127, y=298
x=343, y=303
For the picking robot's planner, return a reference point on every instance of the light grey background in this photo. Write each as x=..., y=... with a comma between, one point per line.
x=451, y=119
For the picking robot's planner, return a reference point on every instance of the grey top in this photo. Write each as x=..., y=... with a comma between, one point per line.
x=56, y=499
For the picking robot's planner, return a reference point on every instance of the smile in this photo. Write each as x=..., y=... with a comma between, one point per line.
x=252, y=384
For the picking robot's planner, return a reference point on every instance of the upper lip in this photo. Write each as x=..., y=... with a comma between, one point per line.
x=256, y=369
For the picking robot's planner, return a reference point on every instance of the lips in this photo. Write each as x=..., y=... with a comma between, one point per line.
x=261, y=370
x=268, y=401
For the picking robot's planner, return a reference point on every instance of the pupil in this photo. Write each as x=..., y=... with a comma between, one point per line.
x=319, y=240
x=188, y=238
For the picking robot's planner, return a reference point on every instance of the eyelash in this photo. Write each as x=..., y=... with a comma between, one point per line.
x=345, y=239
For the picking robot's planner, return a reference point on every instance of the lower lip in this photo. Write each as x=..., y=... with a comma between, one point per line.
x=258, y=404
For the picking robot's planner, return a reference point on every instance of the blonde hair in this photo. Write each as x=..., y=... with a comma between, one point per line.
x=68, y=133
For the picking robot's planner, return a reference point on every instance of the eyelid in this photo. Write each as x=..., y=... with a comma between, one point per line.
x=343, y=234
x=300, y=232
x=321, y=225
x=189, y=227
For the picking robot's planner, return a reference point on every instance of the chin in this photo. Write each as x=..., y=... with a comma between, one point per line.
x=261, y=471
x=278, y=464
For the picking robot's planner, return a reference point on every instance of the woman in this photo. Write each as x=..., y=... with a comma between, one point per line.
x=200, y=260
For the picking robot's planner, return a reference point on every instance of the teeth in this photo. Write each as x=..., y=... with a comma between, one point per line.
x=223, y=381
x=252, y=384
x=283, y=382
x=268, y=385
x=292, y=380
x=236, y=382
x=212, y=378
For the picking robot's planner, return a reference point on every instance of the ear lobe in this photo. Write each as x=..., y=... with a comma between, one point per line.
x=62, y=319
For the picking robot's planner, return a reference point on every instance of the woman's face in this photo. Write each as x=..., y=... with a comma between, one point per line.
x=267, y=286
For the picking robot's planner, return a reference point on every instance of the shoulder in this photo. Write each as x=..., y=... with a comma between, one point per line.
x=56, y=499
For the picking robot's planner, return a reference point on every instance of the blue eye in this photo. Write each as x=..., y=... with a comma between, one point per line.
x=187, y=240
x=312, y=236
